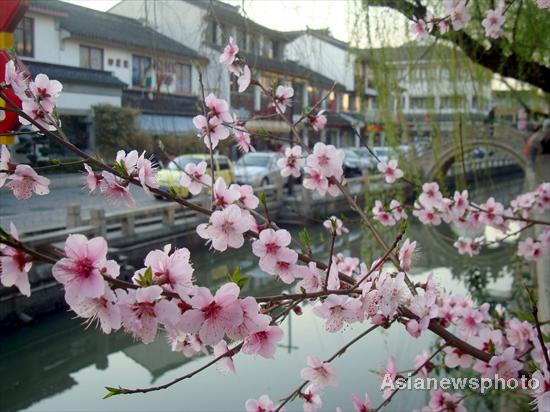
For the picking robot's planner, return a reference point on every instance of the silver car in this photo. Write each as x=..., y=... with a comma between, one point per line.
x=259, y=169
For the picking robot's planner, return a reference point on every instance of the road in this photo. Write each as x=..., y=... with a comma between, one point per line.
x=41, y=212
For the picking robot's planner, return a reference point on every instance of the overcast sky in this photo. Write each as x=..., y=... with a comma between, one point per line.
x=337, y=15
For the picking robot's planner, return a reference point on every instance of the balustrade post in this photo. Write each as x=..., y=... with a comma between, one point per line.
x=128, y=225
x=169, y=216
x=98, y=222
x=74, y=218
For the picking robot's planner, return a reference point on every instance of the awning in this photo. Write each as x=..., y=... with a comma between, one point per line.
x=165, y=124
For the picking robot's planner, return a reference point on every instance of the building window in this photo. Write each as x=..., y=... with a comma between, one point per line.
x=479, y=103
x=421, y=103
x=451, y=102
x=268, y=48
x=142, y=71
x=242, y=40
x=91, y=58
x=183, y=78
x=23, y=37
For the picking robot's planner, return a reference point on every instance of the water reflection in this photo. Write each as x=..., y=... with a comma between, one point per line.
x=57, y=365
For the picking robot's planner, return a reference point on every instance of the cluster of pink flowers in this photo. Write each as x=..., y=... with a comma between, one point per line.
x=164, y=296
x=494, y=21
x=21, y=179
x=324, y=169
x=432, y=208
x=276, y=258
x=389, y=217
x=336, y=225
x=235, y=65
x=531, y=249
x=38, y=97
x=457, y=16
x=129, y=165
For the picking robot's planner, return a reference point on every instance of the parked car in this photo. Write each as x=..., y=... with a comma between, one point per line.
x=384, y=153
x=367, y=159
x=172, y=173
x=353, y=160
x=259, y=169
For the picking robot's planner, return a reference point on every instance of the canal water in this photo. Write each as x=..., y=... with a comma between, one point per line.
x=58, y=365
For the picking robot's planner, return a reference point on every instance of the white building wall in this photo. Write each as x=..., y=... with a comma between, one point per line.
x=47, y=43
x=185, y=23
x=323, y=57
x=81, y=103
x=439, y=88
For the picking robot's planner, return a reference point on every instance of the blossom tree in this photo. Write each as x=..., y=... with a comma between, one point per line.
x=163, y=295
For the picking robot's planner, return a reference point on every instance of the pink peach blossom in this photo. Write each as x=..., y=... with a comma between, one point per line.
x=230, y=52
x=138, y=311
x=82, y=269
x=312, y=400
x=25, y=181
x=390, y=170
x=244, y=79
x=212, y=316
x=320, y=374
x=270, y=245
x=247, y=196
x=283, y=98
x=337, y=310
x=219, y=109
x=15, y=266
x=172, y=271
x=263, y=404
x=210, y=130
x=91, y=179
x=104, y=309
x=226, y=363
x=116, y=189
x=263, y=342
x=327, y=159
x=195, y=177
x=225, y=228
x=292, y=163
x=318, y=121
x=253, y=320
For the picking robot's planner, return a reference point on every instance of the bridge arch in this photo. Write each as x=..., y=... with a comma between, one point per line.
x=505, y=139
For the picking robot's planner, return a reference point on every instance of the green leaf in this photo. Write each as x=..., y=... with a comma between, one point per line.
x=305, y=239
x=112, y=392
x=263, y=198
x=146, y=278
x=243, y=281
x=237, y=273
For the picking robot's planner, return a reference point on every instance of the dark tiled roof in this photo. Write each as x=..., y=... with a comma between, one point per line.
x=111, y=28
x=290, y=68
x=226, y=13
x=335, y=119
x=72, y=74
x=322, y=34
x=409, y=52
x=150, y=102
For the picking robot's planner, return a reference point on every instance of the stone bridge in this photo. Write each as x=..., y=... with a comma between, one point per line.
x=504, y=140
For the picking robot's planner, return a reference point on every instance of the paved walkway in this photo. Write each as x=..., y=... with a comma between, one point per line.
x=42, y=212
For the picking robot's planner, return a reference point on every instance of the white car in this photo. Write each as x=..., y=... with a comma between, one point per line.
x=259, y=169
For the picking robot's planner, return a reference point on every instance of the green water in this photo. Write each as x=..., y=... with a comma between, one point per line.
x=57, y=365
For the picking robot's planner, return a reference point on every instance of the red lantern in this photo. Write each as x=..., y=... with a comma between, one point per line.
x=12, y=13
x=9, y=121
